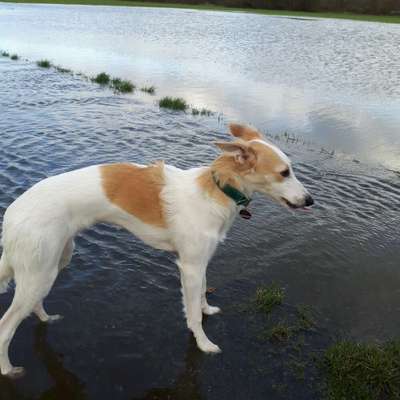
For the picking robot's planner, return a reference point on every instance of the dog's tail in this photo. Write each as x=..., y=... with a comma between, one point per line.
x=6, y=274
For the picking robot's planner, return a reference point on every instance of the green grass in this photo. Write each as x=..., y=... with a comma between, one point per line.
x=268, y=297
x=5, y=54
x=362, y=371
x=148, y=89
x=43, y=63
x=14, y=57
x=280, y=332
x=206, y=112
x=305, y=319
x=62, y=70
x=122, y=86
x=102, y=79
x=173, y=103
x=358, y=17
x=203, y=111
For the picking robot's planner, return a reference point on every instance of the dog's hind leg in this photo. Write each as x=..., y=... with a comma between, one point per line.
x=42, y=314
x=65, y=259
x=66, y=255
x=205, y=307
x=30, y=290
x=6, y=273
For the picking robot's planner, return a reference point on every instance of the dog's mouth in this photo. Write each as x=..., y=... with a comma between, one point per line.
x=294, y=206
x=288, y=203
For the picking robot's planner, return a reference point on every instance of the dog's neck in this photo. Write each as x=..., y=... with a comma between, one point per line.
x=224, y=173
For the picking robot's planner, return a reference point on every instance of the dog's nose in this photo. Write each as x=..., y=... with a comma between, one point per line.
x=309, y=201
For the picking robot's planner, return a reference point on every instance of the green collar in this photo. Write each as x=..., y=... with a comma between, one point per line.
x=236, y=195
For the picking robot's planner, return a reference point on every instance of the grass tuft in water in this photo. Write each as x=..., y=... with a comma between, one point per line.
x=5, y=54
x=281, y=332
x=362, y=371
x=102, y=79
x=14, y=57
x=122, y=86
x=173, y=103
x=44, y=63
x=148, y=89
x=203, y=111
x=62, y=70
x=268, y=297
x=305, y=319
x=206, y=112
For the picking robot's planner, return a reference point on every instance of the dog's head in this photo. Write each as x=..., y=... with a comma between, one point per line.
x=262, y=167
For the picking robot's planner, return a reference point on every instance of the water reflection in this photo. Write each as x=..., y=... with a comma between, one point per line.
x=186, y=386
x=65, y=385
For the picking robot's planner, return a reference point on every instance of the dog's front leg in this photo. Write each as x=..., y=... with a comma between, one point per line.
x=205, y=307
x=192, y=286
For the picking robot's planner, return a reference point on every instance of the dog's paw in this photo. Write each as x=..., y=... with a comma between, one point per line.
x=15, y=373
x=209, y=347
x=211, y=310
x=52, y=318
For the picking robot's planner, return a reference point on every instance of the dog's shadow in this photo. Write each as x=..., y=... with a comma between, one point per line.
x=67, y=386
x=186, y=386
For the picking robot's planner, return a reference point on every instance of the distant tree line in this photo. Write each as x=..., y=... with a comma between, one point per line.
x=357, y=6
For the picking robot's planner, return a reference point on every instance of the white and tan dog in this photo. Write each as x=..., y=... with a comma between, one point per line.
x=184, y=211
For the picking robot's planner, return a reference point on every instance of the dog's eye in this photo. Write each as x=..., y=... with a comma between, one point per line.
x=285, y=173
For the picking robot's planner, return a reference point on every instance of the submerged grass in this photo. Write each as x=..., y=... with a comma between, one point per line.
x=148, y=89
x=339, y=15
x=102, y=79
x=268, y=297
x=362, y=371
x=62, y=70
x=122, y=85
x=281, y=332
x=43, y=63
x=203, y=111
x=173, y=103
x=305, y=319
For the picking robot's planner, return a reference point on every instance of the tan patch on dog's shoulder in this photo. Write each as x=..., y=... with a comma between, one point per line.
x=244, y=132
x=136, y=190
x=268, y=161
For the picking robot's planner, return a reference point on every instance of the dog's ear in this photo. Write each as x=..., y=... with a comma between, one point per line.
x=244, y=132
x=241, y=151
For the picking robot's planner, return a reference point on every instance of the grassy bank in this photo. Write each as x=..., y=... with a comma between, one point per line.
x=358, y=17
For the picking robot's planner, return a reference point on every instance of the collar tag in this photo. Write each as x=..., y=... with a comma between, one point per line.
x=245, y=213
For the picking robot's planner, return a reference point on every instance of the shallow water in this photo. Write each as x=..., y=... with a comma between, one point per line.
x=331, y=81
x=123, y=335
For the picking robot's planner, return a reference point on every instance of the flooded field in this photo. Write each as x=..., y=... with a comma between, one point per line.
x=123, y=335
x=335, y=82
